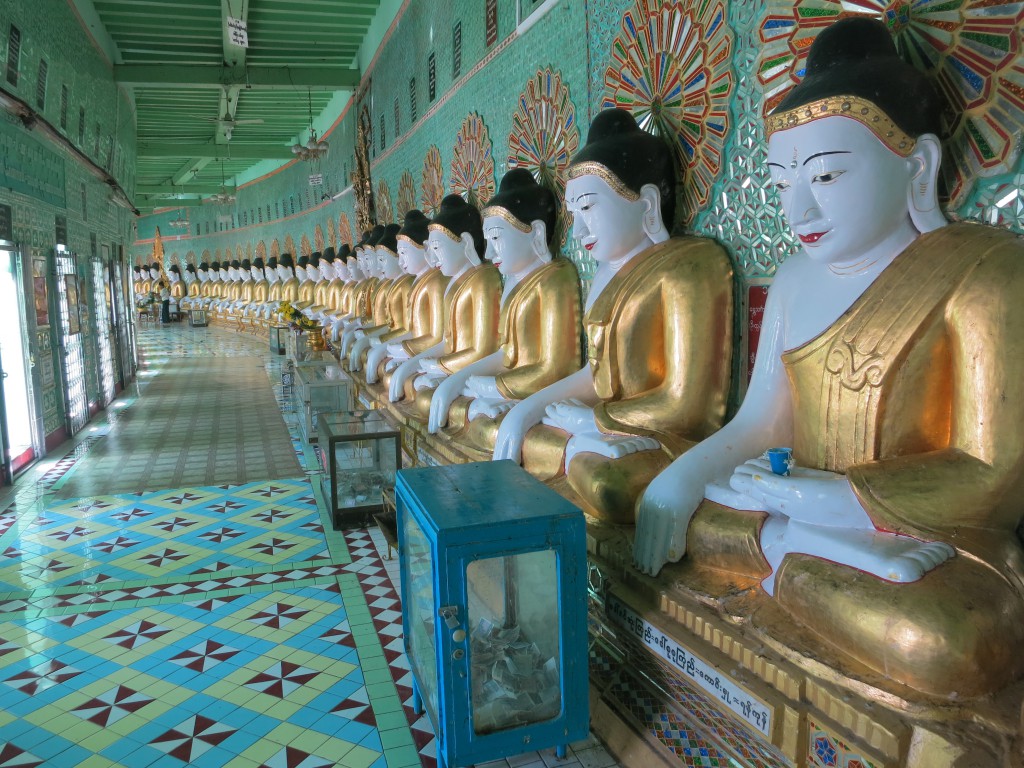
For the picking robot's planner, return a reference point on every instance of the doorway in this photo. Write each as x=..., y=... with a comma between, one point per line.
x=104, y=346
x=69, y=300
x=17, y=404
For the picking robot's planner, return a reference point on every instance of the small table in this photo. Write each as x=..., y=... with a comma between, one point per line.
x=362, y=454
x=320, y=385
x=197, y=318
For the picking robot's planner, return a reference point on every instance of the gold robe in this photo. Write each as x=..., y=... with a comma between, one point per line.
x=540, y=343
x=472, y=310
x=195, y=289
x=289, y=290
x=660, y=351
x=393, y=315
x=917, y=394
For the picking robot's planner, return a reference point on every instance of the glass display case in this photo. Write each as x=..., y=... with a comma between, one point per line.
x=320, y=386
x=278, y=335
x=494, y=606
x=298, y=347
x=361, y=454
x=197, y=318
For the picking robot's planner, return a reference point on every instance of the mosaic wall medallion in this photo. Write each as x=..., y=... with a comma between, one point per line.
x=239, y=253
x=406, y=195
x=473, y=162
x=261, y=251
x=672, y=68
x=382, y=203
x=545, y=136
x=1002, y=204
x=289, y=245
x=432, y=188
x=344, y=229
x=971, y=49
x=305, y=247
x=318, y=239
x=275, y=248
x=332, y=233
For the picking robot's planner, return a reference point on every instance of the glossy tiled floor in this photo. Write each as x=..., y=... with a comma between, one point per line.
x=208, y=626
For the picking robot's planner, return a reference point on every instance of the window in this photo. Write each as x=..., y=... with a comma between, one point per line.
x=491, y=23
x=96, y=143
x=412, y=100
x=81, y=127
x=398, y=127
x=13, y=54
x=64, y=107
x=382, y=141
x=85, y=203
x=245, y=218
x=293, y=205
x=260, y=212
x=457, y=51
x=41, y=85
x=277, y=209
x=207, y=227
x=432, y=77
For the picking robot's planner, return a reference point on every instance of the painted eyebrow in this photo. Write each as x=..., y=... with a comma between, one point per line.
x=778, y=165
x=822, y=154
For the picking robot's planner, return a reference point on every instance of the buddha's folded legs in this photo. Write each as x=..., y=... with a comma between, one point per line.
x=610, y=488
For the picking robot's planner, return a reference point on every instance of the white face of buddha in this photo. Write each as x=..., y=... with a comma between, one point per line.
x=201, y=274
x=387, y=263
x=607, y=225
x=842, y=190
x=257, y=273
x=448, y=254
x=326, y=270
x=283, y=272
x=154, y=273
x=224, y=274
x=510, y=250
x=340, y=270
x=173, y=277
x=232, y=273
x=411, y=258
x=244, y=274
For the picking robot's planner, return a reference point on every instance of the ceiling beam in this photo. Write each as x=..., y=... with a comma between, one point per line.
x=234, y=58
x=255, y=77
x=190, y=169
x=217, y=151
x=94, y=26
x=167, y=190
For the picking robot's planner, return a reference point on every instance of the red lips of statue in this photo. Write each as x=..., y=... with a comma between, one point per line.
x=590, y=246
x=812, y=238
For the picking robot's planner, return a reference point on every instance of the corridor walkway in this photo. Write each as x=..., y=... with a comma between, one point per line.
x=209, y=624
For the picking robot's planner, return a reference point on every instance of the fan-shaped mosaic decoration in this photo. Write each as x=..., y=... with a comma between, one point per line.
x=275, y=249
x=261, y=251
x=216, y=255
x=248, y=251
x=432, y=188
x=206, y=256
x=473, y=162
x=671, y=67
x=190, y=258
x=344, y=229
x=406, y=195
x=318, y=239
x=289, y=245
x=305, y=248
x=545, y=136
x=239, y=253
x=332, y=234
x=382, y=203
x=971, y=48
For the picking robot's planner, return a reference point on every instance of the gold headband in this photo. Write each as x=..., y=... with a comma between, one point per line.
x=444, y=231
x=408, y=239
x=592, y=168
x=507, y=216
x=861, y=110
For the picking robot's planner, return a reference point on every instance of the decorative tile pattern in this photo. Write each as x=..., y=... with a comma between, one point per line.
x=473, y=162
x=432, y=188
x=671, y=67
x=406, y=195
x=825, y=750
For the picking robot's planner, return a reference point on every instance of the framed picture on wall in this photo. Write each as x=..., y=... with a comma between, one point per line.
x=71, y=291
x=39, y=292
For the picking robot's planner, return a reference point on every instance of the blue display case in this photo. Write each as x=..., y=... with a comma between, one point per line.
x=494, y=603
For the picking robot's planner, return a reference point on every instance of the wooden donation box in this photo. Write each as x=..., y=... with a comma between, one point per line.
x=494, y=606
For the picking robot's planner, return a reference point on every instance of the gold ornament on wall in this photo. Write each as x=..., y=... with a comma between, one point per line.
x=344, y=229
x=318, y=239
x=406, y=195
x=305, y=247
x=432, y=188
x=473, y=162
x=385, y=213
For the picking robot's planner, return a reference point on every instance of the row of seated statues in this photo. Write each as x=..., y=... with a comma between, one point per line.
x=888, y=365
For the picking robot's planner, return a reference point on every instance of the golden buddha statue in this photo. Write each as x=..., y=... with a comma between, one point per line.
x=385, y=272
x=390, y=300
x=887, y=363
x=659, y=327
x=423, y=324
x=365, y=282
x=471, y=306
x=325, y=274
x=289, y=290
x=305, y=272
x=540, y=317
x=177, y=286
x=209, y=289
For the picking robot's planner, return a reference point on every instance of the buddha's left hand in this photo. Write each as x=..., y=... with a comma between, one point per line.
x=427, y=381
x=571, y=415
x=609, y=446
x=482, y=386
x=809, y=495
x=489, y=407
x=431, y=367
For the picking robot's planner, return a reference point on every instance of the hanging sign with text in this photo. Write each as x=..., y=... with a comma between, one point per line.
x=238, y=32
x=316, y=179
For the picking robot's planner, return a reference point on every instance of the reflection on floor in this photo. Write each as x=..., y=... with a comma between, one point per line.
x=217, y=625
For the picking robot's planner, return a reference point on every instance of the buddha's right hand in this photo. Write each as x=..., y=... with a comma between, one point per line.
x=492, y=408
x=482, y=386
x=663, y=516
x=513, y=428
x=445, y=394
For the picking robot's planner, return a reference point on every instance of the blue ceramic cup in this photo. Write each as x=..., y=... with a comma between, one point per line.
x=781, y=459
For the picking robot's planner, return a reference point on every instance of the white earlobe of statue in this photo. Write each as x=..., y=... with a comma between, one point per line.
x=539, y=241
x=923, y=192
x=470, y=249
x=654, y=225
